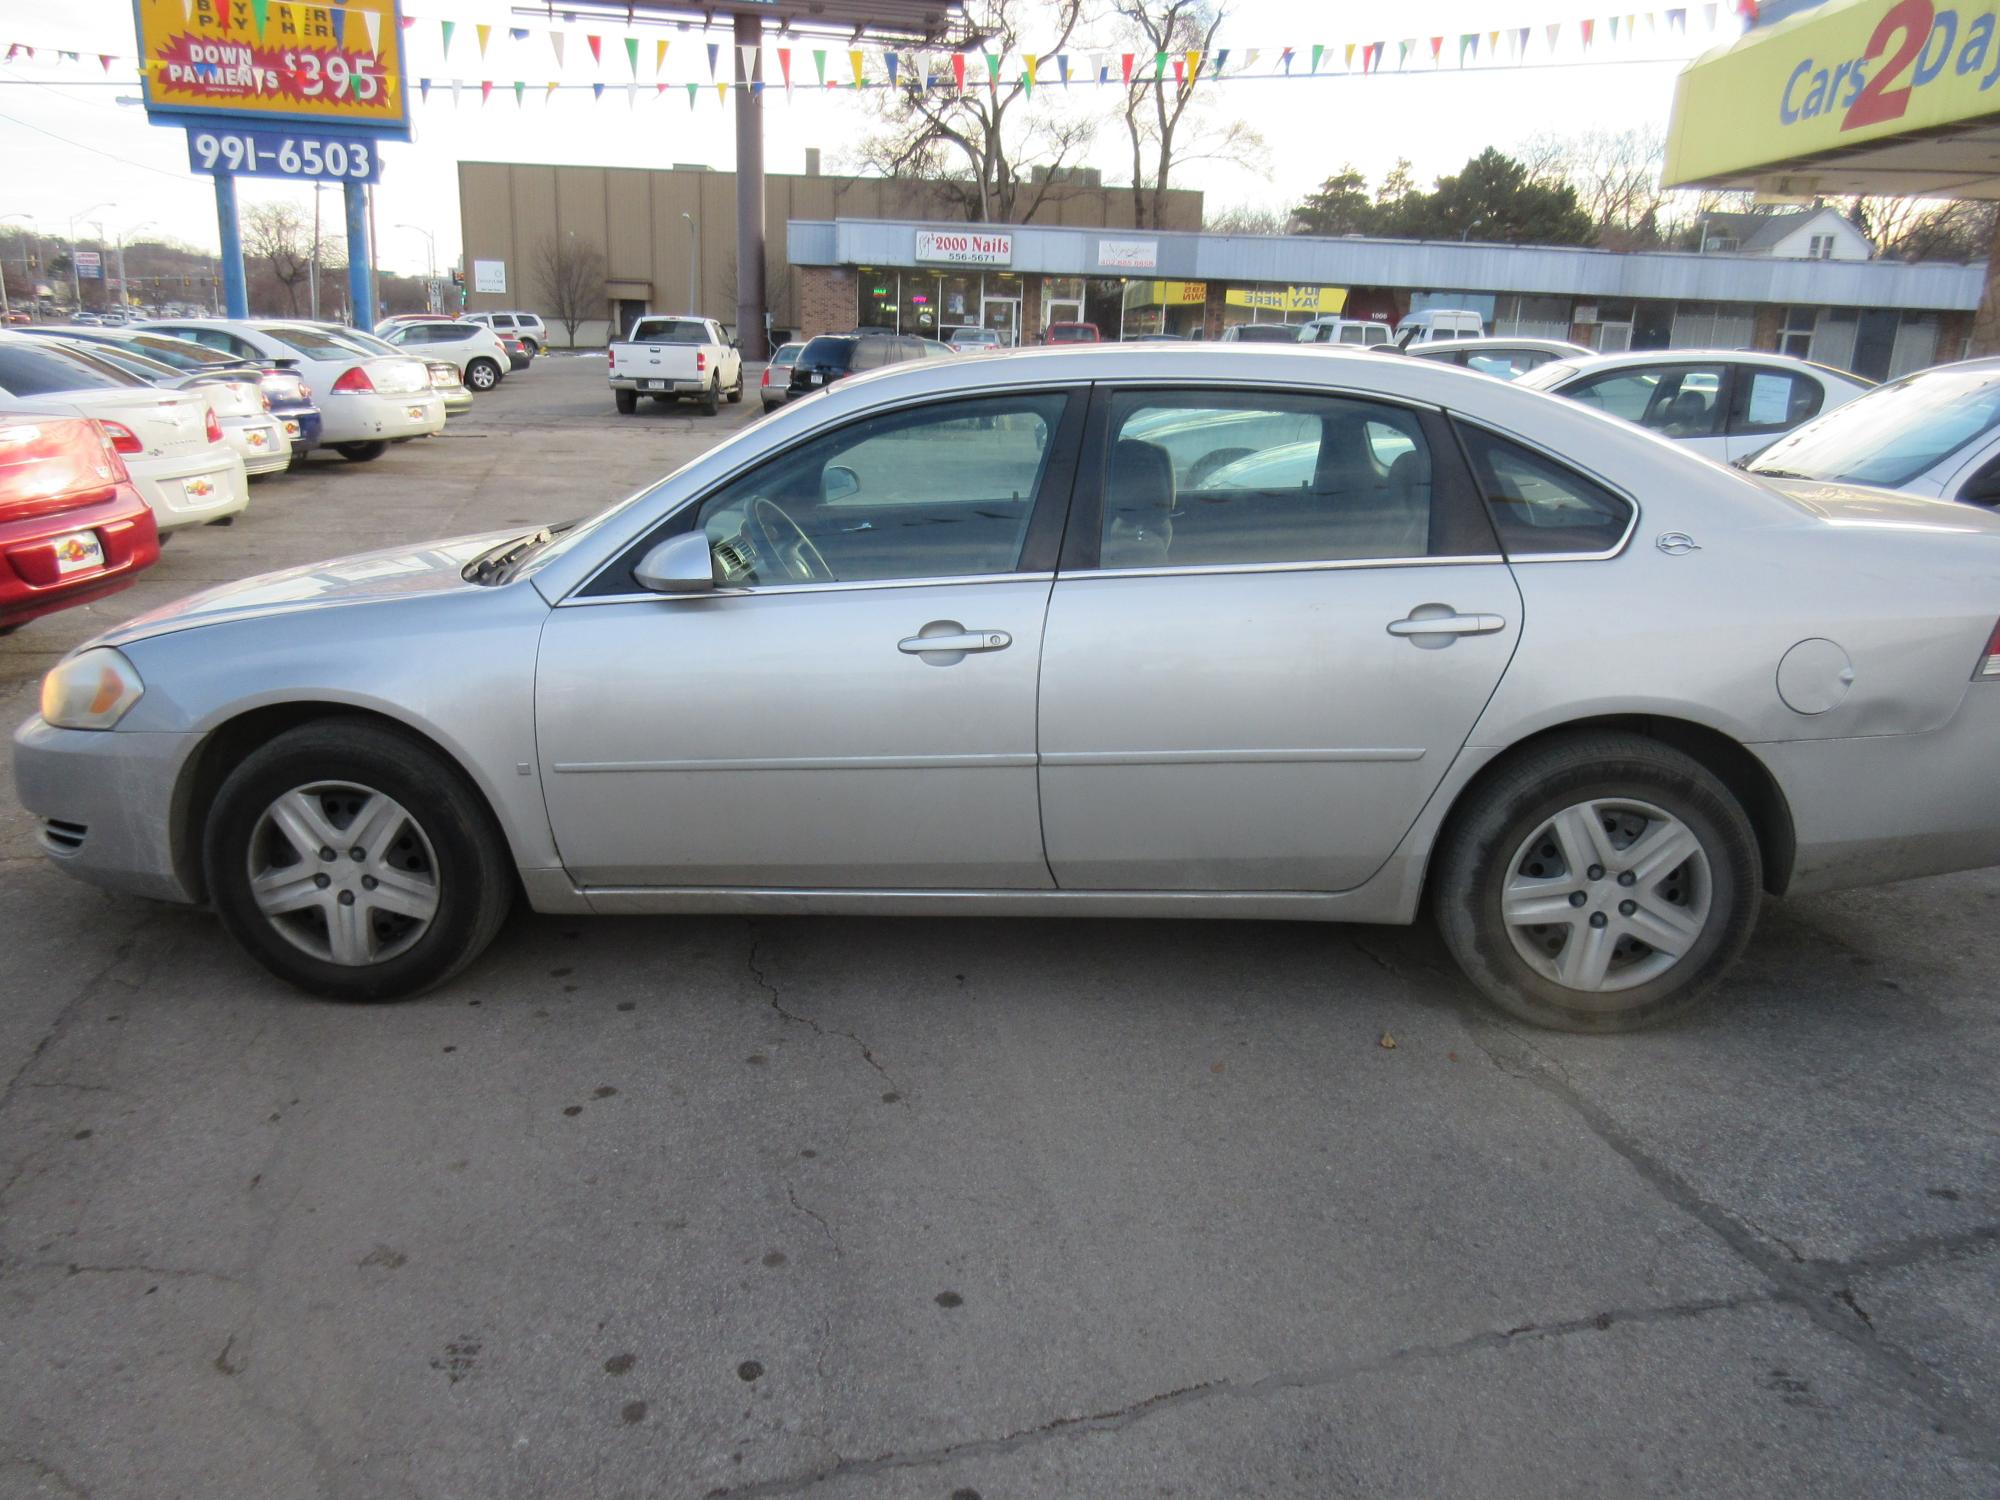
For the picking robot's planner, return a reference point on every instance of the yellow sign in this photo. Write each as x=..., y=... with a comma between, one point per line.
x=243, y=61
x=1291, y=299
x=1848, y=72
x=1166, y=293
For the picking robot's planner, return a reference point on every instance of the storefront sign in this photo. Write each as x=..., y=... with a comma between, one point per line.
x=1290, y=299
x=89, y=265
x=1128, y=255
x=242, y=64
x=1166, y=293
x=1832, y=78
x=489, y=276
x=963, y=247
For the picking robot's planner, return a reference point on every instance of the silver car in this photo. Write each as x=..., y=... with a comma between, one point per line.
x=1001, y=637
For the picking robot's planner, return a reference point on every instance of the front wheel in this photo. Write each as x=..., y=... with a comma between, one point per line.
x=361, y=453
x=354, y=862
x=1601, y=883
x=628, y=402
x=482, y=374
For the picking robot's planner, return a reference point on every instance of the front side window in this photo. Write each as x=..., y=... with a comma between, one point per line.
x=1216, y=479
x=1540, y=506
x=1677, y=401
x=939, y=492
x=1774, y=400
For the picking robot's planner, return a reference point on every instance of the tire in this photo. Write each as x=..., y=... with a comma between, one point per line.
x=736, y=390
x=443, y=849
x=531, y=346
x=1618, y=790
x=628, y=402
x=710, y=400
x=482, y=375
x=361, y=453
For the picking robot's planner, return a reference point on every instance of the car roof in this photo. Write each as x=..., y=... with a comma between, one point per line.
x=1563, y=347
x=1587, y=364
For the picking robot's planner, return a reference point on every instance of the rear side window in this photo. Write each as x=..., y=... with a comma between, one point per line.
x=870, y=354
x=26, y=371
x=1773, y=400
x=1676, y=401
x=1540, y=506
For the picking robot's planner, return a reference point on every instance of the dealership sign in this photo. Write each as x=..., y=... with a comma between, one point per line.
x=963, y=247
x=489, y=276
x=1832, y=78
x=89, y=265
x=1291, y=299
x=1128, y=255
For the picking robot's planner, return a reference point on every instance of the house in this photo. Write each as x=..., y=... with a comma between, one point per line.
x=1796, y=234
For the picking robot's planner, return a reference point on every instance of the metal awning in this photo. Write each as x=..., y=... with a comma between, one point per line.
x=1895, y=97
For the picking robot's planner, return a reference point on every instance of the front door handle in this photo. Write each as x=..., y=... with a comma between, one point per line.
x=1420, y=624
x=954, y=638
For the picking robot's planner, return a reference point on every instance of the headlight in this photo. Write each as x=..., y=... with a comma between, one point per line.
x=91, y=691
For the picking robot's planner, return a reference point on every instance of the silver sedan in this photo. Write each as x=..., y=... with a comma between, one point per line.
x=1151, y=632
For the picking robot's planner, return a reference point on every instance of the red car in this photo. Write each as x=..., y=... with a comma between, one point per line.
x=72, y=527
x=1072, y=333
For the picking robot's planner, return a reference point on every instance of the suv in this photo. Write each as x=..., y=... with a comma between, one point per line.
x=1350, y=331
x=833, y=355
x=1261, y=333
x=526, y=326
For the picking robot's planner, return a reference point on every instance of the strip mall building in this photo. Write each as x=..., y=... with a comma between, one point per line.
x=853, y=254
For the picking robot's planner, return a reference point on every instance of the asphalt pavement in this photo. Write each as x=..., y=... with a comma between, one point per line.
x=954, y=1208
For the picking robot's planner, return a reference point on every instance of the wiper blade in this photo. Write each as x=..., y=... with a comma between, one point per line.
x=489, y=564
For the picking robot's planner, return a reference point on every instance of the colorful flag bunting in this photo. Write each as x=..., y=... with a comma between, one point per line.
x=714, y=51
x=1437, y=47
x=889, y=61
x=596, y=44
x=748, y=57
x=1062, y=67
x=992, y=73
x=785, y=67
x=556, y=42
x=1588, y=25
x=958, y=71
x=485, y=90
x=819, y=64
x=448, y=26
x=520, y=92
x=484, y=33
x=597, y=91
x=659, y=56
x=1193, y=66
x=1125, y=68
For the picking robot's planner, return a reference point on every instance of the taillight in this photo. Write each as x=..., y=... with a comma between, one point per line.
x=1989, y=661
x=264, y=400
x=52, y=463
x=353, y=380
x=767, y=376
x=700, y=361
x=123, y=439
x=212, y=427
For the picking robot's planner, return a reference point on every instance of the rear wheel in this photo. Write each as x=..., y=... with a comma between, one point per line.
x=361, y=453
x=353, y=862
x=531, y=346
x=1603, y=882
x=736, y=390
x=628, y=402
x=482, y=374
x=710, y=402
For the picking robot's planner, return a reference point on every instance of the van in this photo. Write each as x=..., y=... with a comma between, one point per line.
x=1435, y=323
x=1354, y=332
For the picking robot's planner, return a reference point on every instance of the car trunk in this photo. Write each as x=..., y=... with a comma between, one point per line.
x=168, y=424
x=398, y=377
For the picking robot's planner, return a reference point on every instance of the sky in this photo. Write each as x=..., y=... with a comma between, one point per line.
x=70, y=145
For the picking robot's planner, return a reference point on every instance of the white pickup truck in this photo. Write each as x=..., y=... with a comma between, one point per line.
x=671, y=356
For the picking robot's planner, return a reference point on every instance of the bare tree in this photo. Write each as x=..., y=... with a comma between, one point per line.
x=570, y=275
x=1616, y=175
x=1249, y=218
x=970, y=146
x=277, y=234
x=1925, y=228
x=1163, y=132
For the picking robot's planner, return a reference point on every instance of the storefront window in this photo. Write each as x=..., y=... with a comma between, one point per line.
x=1000, y=307
x=920, y=303
x=1104, y=305
x=879, y=297
x=959, y=294
x=1062, y=301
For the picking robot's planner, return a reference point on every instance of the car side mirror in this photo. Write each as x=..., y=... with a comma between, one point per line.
x=681, y=564
x=735, y=344
x=837, y=483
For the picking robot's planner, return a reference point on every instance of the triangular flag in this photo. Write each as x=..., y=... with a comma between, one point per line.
x=992, y=73
x=1614, y=28
x=1437, y=46
x=693, y=89
x=597, y=91
x=187, y=18
x=958, y=71
x=485, y=90
x=448, y=26
x=520, y=91
x=1159, y=66
x=556, y=41
x=1588, y=26
x=424, y=90
x=659, y=89
x=1710, y=15
x=854, y=62
x=1350, y=59
x=454, y=93
x=819, y=63
x=1375, y=50
x=260, y=11
x=596, y=48
x=631, y=94
x=484, y=33
x=406, y=22
x=714, y=51
x=1125, y=68
x=632, y=54
x=1554, y=29
x=1180, y=72
x=1677, y=20
x=1521, y=41
x=722, y=90
x=105, y=58
x=659, y=56
x=1222, y=61
x=1193, y=66
x=1403, y=51
x=1492, y=42
x=549, y=92
x=1062, y=67
x=889, y=60
x=1467, y=40
x=517, y=33
x=1029, y=59
x=785, y=67
x=371, y=22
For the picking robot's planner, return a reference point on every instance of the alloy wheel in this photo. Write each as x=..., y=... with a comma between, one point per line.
x=344, y=873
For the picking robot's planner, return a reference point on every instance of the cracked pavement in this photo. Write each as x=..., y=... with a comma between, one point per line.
x=884, y=1208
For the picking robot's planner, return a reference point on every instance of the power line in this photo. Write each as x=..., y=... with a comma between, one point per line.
x=179, y=177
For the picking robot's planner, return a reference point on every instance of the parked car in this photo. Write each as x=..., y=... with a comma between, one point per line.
x=975, y=340
x=1934, y=433
x=1724, y=404
x=519, y=355
x=1508, y=358
x=367, y=400
x=1364, y=332
x=473, y=347
x=834, y=356
x=1260, y=333
x=774, y=389
x=400, y=320
x=72, y=526
x=237, y=398
x=170, y=441
x=450, y=386
x=1068, y=701
x=526, y=324
x=289, y=397
x=672, y=358
x=1435, y=323
x=1072, y=333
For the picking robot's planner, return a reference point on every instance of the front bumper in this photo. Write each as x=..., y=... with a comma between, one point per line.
x=105, y=802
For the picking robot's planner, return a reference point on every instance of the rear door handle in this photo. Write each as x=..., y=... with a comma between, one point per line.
x=963, y=640
x=1447, y=625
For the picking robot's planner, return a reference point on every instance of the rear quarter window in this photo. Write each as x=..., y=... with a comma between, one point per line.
x=1539, y=506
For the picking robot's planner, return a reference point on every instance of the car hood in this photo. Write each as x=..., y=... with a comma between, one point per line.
x=1864, y=507
x=364, y=578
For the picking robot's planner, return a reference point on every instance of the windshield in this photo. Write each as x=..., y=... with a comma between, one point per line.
x=1892, y=434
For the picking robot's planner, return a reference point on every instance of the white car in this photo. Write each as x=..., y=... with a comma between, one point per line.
x=525, y=326
x=476, y=349
x=1508, y=358
x=170, y=440
x=976, y=341
x=1724, y=404
x=366, y=400
x=239, y=400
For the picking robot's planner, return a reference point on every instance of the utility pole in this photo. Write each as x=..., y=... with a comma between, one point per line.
x=694, y=261
x=27, y=270
x=124, y=286
x=315, y=254
x=75, y=278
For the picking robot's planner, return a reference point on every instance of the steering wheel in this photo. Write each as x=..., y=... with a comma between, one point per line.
x=799, y=559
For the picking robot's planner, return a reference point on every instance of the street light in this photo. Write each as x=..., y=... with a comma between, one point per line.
x=124, y=286
x=433, y=296
x=694, y=260
x=7, y=307
x=75, y=280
